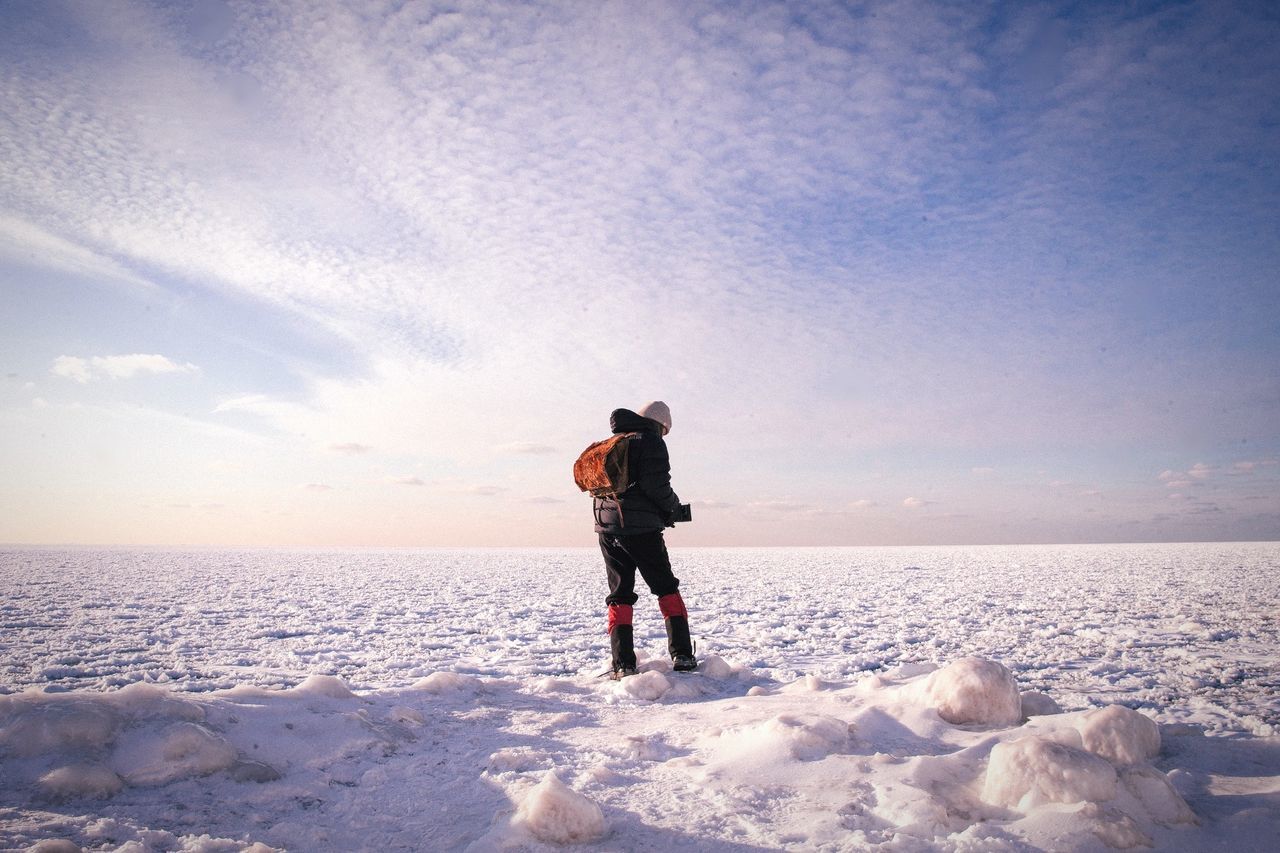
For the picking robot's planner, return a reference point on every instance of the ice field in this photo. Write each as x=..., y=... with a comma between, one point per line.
x=1001, y=698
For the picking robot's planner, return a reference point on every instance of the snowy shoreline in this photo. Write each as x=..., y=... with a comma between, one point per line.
x=343, y=701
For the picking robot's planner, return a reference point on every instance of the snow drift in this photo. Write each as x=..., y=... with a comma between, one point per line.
x=917, y=756
x=382, y=712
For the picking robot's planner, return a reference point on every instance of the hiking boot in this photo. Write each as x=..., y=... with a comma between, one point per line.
x=684, y=663
x=679, y=645
x=623, y=648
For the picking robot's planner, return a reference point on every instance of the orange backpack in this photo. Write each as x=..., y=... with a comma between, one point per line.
x=601, y=469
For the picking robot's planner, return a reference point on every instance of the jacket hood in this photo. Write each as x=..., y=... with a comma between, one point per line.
x=625, y=420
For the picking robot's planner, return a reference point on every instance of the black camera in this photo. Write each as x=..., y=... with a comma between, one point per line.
x=684, y=512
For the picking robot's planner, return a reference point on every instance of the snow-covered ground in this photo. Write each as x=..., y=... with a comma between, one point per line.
x=447, y=699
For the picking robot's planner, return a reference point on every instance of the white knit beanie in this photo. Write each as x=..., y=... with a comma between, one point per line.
x=657, y=411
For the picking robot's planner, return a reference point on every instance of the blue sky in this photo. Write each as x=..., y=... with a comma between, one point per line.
x=373, y=273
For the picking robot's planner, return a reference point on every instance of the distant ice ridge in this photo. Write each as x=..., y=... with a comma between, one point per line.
x=915, y=757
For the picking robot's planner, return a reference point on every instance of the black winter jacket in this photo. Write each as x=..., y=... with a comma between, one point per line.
x=648, y=503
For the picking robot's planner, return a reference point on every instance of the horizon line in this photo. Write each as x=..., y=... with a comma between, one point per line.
x=592, y=547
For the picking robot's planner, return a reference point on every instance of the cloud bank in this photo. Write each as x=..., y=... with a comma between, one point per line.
x=916, y=238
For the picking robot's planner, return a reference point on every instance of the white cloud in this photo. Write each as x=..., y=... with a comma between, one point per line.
x=864, y=503
x=116, y=366
x=125, y=366
x=1199, y=471
x=406, y=481
x=525, y=447
x=916, y=503
x=71, y=367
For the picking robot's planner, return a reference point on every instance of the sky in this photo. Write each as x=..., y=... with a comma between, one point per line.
x=374, y=273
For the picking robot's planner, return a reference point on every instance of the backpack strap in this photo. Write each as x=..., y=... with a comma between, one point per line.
x=617, y=496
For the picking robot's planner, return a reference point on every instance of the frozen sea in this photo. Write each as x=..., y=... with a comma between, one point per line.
x=474, y=674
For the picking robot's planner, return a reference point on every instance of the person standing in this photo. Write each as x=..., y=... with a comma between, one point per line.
x=630, y=528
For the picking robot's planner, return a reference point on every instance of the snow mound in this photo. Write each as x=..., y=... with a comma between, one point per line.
x=555, y=813
x=144, y=700
x=81, y=780
x=35, y=723
x=513, y=760
x=975, y=691
x=1156, y=794
x=31, y=724
x=649, y=686
x=145, y=757
x=807, y=684
x=54, y=845
x=550, y=684
x=446, y=682
x=804, y=737
x=1114, y=828
x=714, y=666
x=1031, y=771
x=1119, y=734
x=1036, y=704
x=328, y=686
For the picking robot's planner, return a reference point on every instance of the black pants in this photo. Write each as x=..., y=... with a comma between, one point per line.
x=644, y=551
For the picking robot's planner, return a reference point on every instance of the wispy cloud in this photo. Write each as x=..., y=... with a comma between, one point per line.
x=526, y=447
x=781, y=506
x=25, y=243
x=1251, y=466
x=406, y=481
x=351, y=448
x=244, y=402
